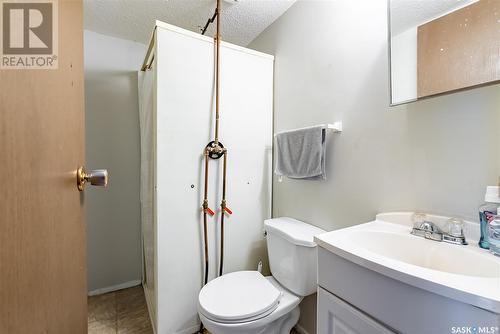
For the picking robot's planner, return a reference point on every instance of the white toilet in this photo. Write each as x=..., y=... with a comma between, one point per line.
x=245, y=302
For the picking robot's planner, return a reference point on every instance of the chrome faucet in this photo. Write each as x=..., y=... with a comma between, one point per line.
x=429, y=230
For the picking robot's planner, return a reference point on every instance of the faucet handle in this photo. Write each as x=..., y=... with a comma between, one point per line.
x=428, y=230
x=430, y=227
x=455, y=227
x=455, y=233
x=418, y=219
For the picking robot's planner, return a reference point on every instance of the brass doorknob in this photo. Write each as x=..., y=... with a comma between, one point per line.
x=97, y=177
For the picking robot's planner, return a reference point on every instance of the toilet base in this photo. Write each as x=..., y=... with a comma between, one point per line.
x=281, y=325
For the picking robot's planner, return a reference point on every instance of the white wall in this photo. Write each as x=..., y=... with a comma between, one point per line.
x=185, y=71
x=435, y=155
x=112, y=142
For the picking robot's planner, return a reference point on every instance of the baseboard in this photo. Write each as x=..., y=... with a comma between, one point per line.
x=300, y=329
x=120, y=286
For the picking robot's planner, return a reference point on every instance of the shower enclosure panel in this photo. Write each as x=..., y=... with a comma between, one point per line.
x=183, y=119
x=147, y=112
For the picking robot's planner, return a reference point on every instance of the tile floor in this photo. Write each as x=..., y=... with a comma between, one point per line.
x=119, y=312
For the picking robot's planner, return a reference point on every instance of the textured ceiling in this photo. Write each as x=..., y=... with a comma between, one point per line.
x=410, y=13
x=242, y=20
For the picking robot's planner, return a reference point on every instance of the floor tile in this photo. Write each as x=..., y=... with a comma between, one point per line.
x=132, y=312
x=102, y=316
x=123, y=312
x=102, y=307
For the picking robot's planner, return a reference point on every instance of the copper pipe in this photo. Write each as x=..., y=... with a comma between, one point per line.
x=223, y=209
x=205, y=211
x=215, y=148
x=217, y=73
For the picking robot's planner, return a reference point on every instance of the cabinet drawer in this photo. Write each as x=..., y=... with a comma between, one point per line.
x=337, y=317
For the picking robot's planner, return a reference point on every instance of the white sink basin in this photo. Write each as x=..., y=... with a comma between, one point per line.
x=428, y=254
x=465, y=273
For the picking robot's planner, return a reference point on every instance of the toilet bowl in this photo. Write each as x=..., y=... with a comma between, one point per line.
x=246, y=302
x=270, y=311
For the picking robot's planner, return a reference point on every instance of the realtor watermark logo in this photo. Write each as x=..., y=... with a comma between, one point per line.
x=474, y=330
x=28, y=35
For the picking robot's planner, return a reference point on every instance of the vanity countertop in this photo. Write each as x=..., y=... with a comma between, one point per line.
x=465, y=273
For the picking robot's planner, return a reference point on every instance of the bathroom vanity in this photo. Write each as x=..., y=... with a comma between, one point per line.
x=379, y=278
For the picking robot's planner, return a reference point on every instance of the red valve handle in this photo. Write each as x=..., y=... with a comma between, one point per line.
x=228, y=210
x=210, y=212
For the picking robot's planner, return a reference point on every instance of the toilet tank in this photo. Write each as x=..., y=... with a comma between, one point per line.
x=293, y=254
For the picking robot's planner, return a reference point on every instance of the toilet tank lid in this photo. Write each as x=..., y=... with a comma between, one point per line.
x=293, y=230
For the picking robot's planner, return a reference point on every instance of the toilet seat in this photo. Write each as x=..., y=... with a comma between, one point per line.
x=237, y=297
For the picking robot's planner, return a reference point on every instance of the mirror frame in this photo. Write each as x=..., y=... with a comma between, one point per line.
x=389, y=57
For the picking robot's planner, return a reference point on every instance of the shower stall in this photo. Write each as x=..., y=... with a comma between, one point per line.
x=177, y=106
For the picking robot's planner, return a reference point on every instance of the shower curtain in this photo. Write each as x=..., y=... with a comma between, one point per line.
x=146, y=81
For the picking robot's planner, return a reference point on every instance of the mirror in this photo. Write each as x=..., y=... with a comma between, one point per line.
x=442, y=46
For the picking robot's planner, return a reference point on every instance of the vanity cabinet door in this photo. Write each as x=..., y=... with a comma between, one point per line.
x=337, y=317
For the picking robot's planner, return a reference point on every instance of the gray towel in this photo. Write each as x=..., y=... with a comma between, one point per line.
x=300, y=154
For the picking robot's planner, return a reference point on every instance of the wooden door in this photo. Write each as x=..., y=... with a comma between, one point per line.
x=42, y=227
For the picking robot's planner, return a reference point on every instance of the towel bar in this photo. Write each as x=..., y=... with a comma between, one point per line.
x=335, y=127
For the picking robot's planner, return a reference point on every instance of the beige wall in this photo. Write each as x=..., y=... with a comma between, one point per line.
x=112, y=141
x=435, y=155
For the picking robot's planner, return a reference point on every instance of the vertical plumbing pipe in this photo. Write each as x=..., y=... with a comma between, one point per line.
x=217, y=71
x=214, y=148
x=205, y=211
x=205, y=230
x=223, y=212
